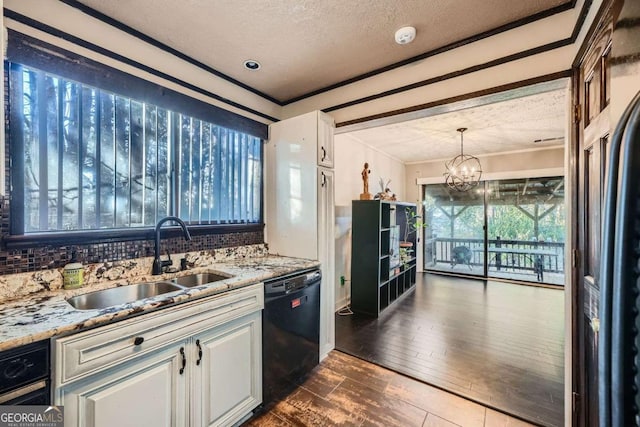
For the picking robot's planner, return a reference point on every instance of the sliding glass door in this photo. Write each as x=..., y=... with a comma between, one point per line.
x=454, y=236
x=526, y=227
x=524, y=221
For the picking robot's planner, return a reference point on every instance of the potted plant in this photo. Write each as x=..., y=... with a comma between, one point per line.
x=405, y=257
x=413, y=222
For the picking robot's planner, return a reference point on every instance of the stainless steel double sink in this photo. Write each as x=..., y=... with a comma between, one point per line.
x=131, y=293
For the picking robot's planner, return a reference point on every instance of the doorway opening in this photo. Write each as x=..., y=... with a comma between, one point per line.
x=446, y=330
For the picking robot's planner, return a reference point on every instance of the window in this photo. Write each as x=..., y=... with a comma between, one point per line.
x=90, y=159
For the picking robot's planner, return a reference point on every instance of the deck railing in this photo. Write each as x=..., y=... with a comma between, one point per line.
x=503, y=254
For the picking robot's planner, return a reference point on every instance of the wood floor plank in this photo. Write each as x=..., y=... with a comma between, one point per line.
x=357, y=369
x=498, y=419
x=268, y=419
x=375, y=408
x=445, y=405
x=303, y=408
x=435, y=421
x=401, y=365
x=323, y=381
x=497, y=343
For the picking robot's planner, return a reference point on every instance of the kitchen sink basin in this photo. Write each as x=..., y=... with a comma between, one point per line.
x=121, y=295
x=198, y=279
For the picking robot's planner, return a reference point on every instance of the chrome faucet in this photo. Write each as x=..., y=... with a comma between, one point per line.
x=158, y=264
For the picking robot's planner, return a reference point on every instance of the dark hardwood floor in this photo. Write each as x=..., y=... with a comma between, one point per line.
x=499, y=344
x=347, y=391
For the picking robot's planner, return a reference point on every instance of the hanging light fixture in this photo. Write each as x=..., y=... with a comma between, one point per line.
x=463, y=171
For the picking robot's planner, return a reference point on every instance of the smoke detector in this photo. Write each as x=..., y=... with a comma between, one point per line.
x=405, y=35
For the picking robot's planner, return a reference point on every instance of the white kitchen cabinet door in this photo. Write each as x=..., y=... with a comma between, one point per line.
x=326, y=251
x=229, y=375
x=325, y=140
x=291, y=213
x=149, y=391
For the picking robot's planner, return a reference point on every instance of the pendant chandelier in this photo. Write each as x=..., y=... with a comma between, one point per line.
x=463, y=171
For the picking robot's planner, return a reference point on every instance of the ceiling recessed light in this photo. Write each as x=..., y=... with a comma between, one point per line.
x=252, y=65
x=405, y=35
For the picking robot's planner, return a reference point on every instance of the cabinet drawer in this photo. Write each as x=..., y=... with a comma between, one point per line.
x=85, y=353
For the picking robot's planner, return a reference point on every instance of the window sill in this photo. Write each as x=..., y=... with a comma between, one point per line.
x=87, y=237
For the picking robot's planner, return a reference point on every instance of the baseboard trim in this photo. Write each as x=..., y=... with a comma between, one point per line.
x=342, y=303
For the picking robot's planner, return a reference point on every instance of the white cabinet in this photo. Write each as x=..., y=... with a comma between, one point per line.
x=296, y=148
x=299, y=201
x=196, y=364
x=326, y=251
x=148, y=392
x=326, y=126
x=229, y=376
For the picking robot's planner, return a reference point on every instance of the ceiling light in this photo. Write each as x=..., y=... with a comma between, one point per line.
x=463, y=171
x=405, y=35
x=251, y=64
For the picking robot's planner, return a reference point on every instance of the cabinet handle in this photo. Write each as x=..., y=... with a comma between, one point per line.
x=138, y=340
x=324, y=154
x=184, y=360
x=199, y=352
x=324, y=179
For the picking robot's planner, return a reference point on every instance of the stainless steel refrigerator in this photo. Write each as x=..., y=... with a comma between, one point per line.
x=619, y=339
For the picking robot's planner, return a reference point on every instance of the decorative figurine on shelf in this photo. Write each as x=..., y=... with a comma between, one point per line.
x=365, y=180
x=385, y=193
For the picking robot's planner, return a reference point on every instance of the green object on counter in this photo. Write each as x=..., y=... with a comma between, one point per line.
x=73, y=273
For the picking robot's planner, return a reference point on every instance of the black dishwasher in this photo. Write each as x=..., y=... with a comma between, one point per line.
x=290, y=331
x=24, y=375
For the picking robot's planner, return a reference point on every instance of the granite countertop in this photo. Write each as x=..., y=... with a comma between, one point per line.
x=47, y=314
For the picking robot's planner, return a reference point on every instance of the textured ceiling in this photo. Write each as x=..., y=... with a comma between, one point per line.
x=511, y=125
x=306, y=45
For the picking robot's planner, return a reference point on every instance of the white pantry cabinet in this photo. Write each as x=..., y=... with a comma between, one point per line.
x=196, y=364
x=300, y=203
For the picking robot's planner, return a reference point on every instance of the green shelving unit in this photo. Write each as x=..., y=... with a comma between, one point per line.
x=375, y=282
